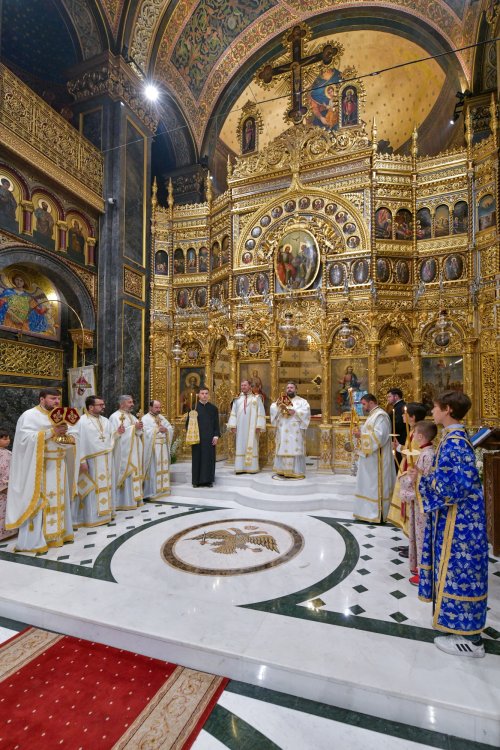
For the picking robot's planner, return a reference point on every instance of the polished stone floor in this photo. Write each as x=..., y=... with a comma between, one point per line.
x=310, y=613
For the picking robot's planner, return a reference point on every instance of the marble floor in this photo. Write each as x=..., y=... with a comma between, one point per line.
x=309, y=612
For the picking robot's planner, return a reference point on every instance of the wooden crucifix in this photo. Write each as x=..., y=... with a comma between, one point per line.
x=295, y=39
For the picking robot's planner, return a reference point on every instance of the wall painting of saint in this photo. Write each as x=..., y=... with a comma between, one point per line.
x=179, y=261
x=460, y=217
x=249, y=136
x=161, y=263
x=8, y=204
x=24, y=304
x=403, y=225
x=349, y=107
x=323, y=99
x=442, y=221
x=297, y=260
x=383, y=224
x=424, y=224
x=486, y=212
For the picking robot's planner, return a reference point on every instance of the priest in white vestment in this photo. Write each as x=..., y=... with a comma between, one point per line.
x=127, y=456
x=93, y=505
x=376, y=473
x=41, y=482
x=247, y=420
x=158, y=433
x=291, y=416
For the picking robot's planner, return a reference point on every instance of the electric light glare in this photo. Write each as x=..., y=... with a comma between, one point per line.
x=151, y=92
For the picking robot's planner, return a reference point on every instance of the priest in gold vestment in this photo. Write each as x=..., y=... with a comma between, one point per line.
x=291, y=417
x=41, y=483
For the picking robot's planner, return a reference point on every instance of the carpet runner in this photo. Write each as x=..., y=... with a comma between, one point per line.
x=62, y=692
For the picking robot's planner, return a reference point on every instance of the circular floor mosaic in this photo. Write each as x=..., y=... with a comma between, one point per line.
x=232, y=547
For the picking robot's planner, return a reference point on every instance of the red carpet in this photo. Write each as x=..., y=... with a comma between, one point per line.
x=63, y=692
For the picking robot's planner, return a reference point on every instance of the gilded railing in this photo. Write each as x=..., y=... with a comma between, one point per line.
x=34, y=131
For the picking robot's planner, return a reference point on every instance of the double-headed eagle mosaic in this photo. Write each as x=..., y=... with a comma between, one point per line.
x=228, y=542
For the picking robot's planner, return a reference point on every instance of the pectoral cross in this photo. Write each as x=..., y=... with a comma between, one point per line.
x=295, y=39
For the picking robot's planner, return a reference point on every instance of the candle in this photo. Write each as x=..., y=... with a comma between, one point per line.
x=191, y=401
x=407, y=426
x=393, y=421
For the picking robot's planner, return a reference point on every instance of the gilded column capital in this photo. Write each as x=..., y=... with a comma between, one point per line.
x=110, y=75
x=83, y=339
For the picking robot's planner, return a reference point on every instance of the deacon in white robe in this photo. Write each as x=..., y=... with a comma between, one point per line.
x=291, y=422
x=127, y=456
x=41, y=482
x=247, y=420
x=158, y=433
x=93, y=505
x=376, y=473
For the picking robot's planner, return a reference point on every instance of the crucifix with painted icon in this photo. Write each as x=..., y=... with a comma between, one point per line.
x=294, y=40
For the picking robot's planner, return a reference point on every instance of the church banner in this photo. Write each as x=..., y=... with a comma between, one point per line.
x=81, y=383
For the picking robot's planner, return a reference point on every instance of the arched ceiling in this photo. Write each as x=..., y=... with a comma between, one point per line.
x=397, y=100
x=196, y=47
x=205, y=52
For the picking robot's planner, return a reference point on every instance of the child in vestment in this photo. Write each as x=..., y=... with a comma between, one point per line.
x=422, y=437
x=454, y=565
x=399, y=509
x=5, y=456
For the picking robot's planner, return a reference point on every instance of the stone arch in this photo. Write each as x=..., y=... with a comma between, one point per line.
x=67, y=282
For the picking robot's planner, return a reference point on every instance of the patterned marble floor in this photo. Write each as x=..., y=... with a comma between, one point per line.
x=312, y=604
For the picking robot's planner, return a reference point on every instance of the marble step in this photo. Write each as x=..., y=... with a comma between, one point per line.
x=316, y=492
x=406, y=681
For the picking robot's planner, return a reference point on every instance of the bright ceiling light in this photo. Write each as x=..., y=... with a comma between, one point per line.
x=151, y=92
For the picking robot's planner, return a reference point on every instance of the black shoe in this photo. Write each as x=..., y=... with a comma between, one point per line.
x=210, y=484
x=404, y=553
x=196, y=485
x=403, y=548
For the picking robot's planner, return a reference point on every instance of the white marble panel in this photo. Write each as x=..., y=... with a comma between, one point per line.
x=296, y=730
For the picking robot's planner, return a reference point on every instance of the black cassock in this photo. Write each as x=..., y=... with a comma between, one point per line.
x=203, y=454
x=400, y=424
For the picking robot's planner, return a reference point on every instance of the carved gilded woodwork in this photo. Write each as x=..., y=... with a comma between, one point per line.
x=304, y=163
x=29, y=360
x=31, y=129
x=133, y=283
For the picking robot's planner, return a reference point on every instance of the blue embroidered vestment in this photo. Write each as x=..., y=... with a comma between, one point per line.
x=454, y=565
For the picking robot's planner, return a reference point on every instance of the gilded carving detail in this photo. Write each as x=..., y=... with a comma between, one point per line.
x=489, y=392
x=40, y=135
x=27, y=360
x=133, y=283
x=114, y=78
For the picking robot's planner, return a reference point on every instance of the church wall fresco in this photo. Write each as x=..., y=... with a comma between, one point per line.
x=25, y=305
x=37, y=214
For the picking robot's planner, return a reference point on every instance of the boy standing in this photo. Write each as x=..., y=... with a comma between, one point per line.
x=454, y=566
x=422, y=437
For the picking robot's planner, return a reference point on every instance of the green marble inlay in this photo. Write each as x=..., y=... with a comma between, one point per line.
x=102, y=564
x=289, y=605
x=6, y=622
x=235, y=733
x=356, y=719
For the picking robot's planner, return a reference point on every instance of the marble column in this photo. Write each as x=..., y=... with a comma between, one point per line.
x=114, y=115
